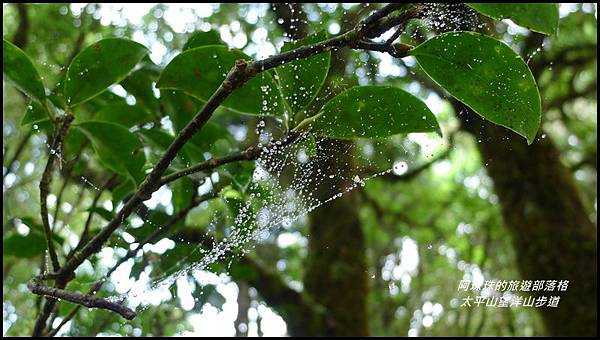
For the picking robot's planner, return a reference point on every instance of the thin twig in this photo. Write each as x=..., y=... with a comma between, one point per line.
x=248, y=154
x=36, y=287
x=387, y=9
x=84, y=235
x=407, y=176
x=395, y=50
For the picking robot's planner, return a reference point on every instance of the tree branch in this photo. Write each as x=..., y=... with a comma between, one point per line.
x=44, y=190
x=20, y=37
x=36, y=287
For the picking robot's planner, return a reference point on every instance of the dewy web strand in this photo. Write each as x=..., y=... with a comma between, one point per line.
x=273, y=204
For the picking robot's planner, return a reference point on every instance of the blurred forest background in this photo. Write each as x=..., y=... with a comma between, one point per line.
x=386, y=258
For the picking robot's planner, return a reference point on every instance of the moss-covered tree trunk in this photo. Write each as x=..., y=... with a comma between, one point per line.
x=552, y=233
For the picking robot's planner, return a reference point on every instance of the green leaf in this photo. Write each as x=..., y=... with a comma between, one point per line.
x=100, y=65
x=240, y=174
x=34, y=113
x=105, y=214
x=301, y=80
x=183, y=193
x=200, y=38
x=121, y=191
x=162, y=140
x=242, y=271
x=200, y=71
x=17, y=67
x=140, y=84
x=209, y=135
x=29, y=246
x=58, y=101
x=373, y=112
x=309, y=145
x=207, y=294
x=155, y=219
x=74, y=143
x=538, y=17
x=486, y=75
x=123, y=114
x=37, y=228
x=181, y=108
x=117, y=148
x=176, y=258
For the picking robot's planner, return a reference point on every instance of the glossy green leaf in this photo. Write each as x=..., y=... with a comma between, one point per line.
x=29, y=246
x=242, y=271
x=183, y=192
x=301, y=80
x=123, y=114
x=34, y=113
x=100, y=65
x=98, y=103
x=154, y=220
x=373, y=112
x=117, y=148
x=74, y=143
x=200, y=38
x=209, y=135
x=175, y=258
x=19, y=69
x=107, y=215
x=309, y=145
x=200, y=71
x=486, y=75
x=538, y=17
x=161, y=140
x=240, y=174
x=126, y=187
x=140, y=84
x=181, y=108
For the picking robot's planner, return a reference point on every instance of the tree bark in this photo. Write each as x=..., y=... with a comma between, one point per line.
x=243, y=300
x=551, y=230
x=336, y=270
